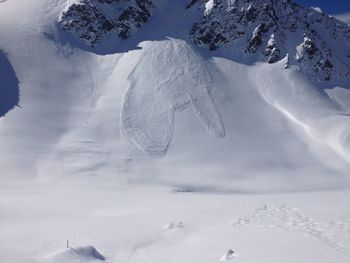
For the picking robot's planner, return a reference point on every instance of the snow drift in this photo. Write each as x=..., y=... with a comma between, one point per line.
x=74, y=255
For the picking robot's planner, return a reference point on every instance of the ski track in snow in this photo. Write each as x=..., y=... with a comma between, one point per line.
x=150, y=103
x=335, y=233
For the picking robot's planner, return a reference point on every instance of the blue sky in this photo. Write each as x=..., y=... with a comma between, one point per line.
x=328, y=6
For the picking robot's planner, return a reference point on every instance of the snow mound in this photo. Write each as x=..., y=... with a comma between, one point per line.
x=74, y=255
x=230, y=254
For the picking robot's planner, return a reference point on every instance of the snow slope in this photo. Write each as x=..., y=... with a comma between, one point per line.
x=96, y=111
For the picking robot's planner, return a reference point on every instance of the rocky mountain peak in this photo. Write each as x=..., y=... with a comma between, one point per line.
x=91, y=20
x=272, y=29
x=269, y=30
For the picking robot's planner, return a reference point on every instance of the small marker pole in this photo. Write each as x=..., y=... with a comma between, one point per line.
x=67, y=244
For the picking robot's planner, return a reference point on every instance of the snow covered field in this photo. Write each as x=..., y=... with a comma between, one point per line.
x=134, y=224
x=152, y=149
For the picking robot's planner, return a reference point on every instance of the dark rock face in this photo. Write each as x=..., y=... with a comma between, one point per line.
x=272, y=52
x=91, y=20
x=133, y=17
x=257, y=38
x=310, y=55
x=209, y=35
x=191, y=3
x=274, y=28
x=86, y=22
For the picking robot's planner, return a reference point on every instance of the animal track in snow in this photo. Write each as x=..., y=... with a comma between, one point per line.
x=169, y=78
x=174, y=225
x=335, y=233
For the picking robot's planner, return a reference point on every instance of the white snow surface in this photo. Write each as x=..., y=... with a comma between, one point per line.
x=248, y=157
x=124, y=224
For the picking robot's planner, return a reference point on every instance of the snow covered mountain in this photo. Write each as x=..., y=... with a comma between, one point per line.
x=274, y=29
x=176, y=92
x=163, y=131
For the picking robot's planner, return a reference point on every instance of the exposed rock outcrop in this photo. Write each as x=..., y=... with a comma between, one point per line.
x=91, y=20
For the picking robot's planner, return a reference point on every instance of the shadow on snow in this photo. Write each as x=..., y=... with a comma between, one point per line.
x=9, y=91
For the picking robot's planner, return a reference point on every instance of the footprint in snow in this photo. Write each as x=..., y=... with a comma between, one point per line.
x=334, y=233
x=174, y=225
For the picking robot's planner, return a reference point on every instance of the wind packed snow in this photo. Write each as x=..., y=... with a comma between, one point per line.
x=154, y=149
